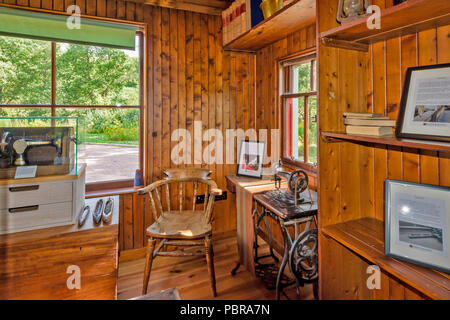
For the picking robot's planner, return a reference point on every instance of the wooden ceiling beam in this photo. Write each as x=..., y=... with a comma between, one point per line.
x=212, y=7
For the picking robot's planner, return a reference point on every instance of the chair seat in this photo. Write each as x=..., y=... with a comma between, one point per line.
x=180, y=225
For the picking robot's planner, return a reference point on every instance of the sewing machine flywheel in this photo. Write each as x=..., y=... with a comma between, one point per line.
x=300, y=178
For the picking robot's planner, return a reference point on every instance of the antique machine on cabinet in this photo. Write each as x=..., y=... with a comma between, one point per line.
x=53, y=193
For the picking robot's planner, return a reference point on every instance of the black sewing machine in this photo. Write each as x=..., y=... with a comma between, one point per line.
x=297, y=185
x=43, y=146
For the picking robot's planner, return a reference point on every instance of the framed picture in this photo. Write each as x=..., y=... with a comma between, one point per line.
x=425, y=106
x=251, y=159
x=417, y=224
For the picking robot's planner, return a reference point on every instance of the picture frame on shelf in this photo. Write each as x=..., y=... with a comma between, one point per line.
x=425, y=105
x=251, y=159
x=417, y=223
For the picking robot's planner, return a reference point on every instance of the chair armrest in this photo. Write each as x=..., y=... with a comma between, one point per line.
x=216, y=192
x=142, y=191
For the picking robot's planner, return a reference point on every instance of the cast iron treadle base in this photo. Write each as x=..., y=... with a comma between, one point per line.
x=268, y=274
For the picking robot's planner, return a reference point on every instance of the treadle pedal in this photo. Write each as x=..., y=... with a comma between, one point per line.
x=269, y=273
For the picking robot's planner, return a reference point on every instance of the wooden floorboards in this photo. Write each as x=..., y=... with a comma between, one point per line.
x=190, y=277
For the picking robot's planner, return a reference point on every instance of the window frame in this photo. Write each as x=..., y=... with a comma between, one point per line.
x=53, y=106
x=287, y=63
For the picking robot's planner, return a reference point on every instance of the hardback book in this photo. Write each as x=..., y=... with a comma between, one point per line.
x=243, y=17
x=233, y=21
x=224, y=26
x=362, y=115
x=369, y=131
x=237, y=31
x=248, y=14
x=256, y=12
x=229, y=30
x=373, y=122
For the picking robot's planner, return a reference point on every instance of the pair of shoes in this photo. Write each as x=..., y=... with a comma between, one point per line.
x=105, y=213
x=83, y=215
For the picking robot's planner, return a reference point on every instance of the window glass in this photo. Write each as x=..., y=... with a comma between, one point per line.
x=89, y=75
x=301, y=78
x=312, y=132
x=25, y=71
x=112, y=142
x=300, y=118
x=26, y=112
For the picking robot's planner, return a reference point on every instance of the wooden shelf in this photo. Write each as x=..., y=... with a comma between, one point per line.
x=287, y=20
x=405, y=143
x=406, y=18
x=365, y=237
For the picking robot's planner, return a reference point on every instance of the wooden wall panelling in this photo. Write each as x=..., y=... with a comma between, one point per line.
x=384, y=74
x=200, y=84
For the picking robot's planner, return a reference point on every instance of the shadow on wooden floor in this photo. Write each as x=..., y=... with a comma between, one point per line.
x=190, y=277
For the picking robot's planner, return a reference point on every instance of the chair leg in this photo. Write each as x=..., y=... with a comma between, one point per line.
x=148, y=264
x=210, y=262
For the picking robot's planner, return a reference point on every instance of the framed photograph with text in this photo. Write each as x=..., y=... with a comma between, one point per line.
x=425, y=106
x=417, y=223
x=251, y=159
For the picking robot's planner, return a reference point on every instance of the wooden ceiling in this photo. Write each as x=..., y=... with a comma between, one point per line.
x=213, y=7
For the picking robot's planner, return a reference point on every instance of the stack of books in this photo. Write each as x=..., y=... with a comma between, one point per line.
x=240, y=17
x=368, y=124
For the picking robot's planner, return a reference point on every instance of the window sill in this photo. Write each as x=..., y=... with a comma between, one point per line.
x=292, y=164
x=110, y=192
x=104, y=189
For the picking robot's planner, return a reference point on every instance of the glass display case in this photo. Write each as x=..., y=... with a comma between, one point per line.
x=55, y=145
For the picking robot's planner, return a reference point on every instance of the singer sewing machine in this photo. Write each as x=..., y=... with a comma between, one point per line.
x=50, y=148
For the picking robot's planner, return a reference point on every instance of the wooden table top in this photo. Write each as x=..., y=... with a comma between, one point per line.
x=233, y=180
x=288, y=213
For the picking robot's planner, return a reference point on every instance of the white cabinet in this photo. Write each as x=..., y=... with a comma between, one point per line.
x=41, y=202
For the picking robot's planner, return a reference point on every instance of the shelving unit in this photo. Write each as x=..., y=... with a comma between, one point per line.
x=353, y=169
x=365, y=237
x=420, y=14
x=405, y=143
x=287, y=20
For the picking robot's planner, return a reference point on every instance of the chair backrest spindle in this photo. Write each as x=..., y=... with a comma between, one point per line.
x=194, y=200
x=168, y=196
x=180, y=187
x=158, y=200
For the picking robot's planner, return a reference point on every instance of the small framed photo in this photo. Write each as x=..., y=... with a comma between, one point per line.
x=417, y=224
x=425, y=106
x=251, y=159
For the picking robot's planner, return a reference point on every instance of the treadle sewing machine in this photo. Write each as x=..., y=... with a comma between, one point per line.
x=294, y=207
x=49, y=148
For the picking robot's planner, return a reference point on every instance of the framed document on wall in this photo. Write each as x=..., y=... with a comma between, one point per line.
x=251, y=159
x=417, y=223
x=425, y=106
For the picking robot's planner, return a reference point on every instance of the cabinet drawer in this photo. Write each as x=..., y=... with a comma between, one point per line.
x=22, y=195
x=15, y=219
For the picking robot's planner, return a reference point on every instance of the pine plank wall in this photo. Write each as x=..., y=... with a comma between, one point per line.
x=190, y=78
x=352, y=176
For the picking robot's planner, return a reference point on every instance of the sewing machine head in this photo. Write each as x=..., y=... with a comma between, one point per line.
x=297, y=183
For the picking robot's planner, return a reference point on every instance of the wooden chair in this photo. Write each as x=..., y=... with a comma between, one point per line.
x=182, y=227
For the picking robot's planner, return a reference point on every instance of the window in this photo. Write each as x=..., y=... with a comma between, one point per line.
x=299, y=99
x=101, y=84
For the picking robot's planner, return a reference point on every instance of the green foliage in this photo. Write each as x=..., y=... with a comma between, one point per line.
x=122, y=134
x=25, y=71
x=86, y=75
